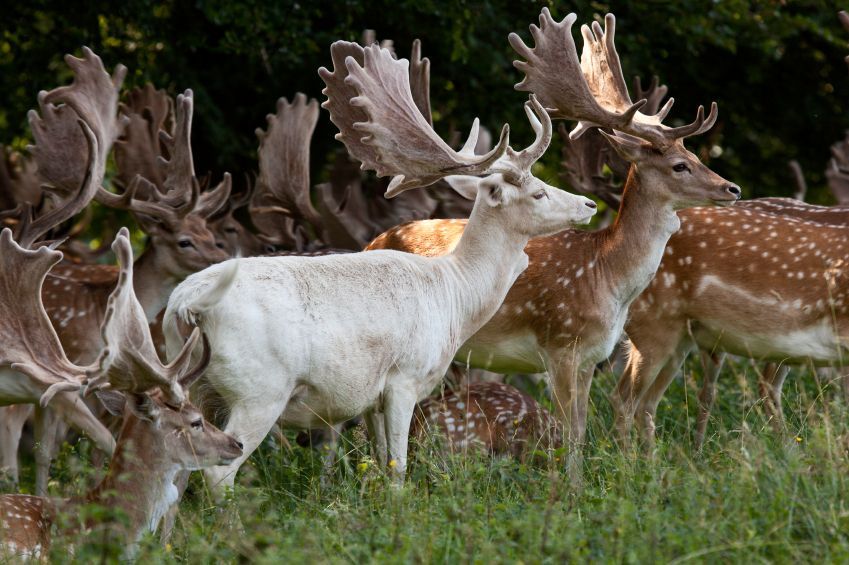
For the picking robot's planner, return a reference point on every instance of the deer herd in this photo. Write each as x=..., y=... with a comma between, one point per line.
x=264, y=309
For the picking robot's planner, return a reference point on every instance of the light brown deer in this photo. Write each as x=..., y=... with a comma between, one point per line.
x=746, y=282
x=494, y=417
x=566, y=312
x=162, y=432
x=76, y=126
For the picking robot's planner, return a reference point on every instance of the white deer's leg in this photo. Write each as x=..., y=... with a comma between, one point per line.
x=399, y=404
x=12, y=421
x=712, y=365
x=331, y=450
x=249, y=422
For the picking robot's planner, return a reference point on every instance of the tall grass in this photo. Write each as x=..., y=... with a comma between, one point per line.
x=752, y=495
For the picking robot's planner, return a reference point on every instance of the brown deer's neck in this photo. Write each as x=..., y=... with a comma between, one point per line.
x=633, y=247
x=140, y=480
x=152, y=282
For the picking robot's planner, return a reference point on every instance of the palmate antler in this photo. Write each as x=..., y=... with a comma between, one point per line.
x=73, y=139
x=592, y=90
x=282, y=196
x=128, y=362
x=180, y=192
x=137, y=152
x=381, y=126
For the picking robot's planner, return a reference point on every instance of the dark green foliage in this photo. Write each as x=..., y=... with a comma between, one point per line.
x=775, y=68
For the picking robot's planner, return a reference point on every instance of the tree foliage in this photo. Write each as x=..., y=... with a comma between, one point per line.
x=775, y=68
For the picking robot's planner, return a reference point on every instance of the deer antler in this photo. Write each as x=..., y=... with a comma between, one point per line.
x=837, y=171
x=137, y=151
x=74, y=138
x=369, y=99
x=583, y=164
x=283, y=185
x=30, y=344
x=129, y=363
x=592, y=91
x=653, y=95
x=180, y=192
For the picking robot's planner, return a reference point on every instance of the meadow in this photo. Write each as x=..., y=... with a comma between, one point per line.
x=751, y=495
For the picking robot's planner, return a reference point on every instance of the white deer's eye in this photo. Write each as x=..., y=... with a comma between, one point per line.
x=540, y=195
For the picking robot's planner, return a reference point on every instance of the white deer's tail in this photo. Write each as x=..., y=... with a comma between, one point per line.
x=192, y=298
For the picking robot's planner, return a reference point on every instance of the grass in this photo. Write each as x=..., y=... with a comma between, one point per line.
x=751, y=496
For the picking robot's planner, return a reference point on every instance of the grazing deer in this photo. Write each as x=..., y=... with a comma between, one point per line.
x=567, y=310
x=173, y=214
x=336, y=336
x=73, y=132
x=162, y=432
x=495, y=417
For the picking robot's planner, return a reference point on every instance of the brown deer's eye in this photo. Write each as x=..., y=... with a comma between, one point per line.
x=185, y=243
x=680, y=167
x=197, y=424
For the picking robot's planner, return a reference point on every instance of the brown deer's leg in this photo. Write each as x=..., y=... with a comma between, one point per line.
x=12, y=421
x=711, y=365
x=650, y=399
x=770, y=385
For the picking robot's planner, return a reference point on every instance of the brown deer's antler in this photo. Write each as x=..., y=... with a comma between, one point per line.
x=30, y=344
x=837, y=171
x=180, y=193
x=283, y=185
x=73, y=139
x=369, y=99
x=138, y=150
x=592, y=90
x=129, y=363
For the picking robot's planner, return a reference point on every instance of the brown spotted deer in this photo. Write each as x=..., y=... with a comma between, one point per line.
x=162, y=432
x=566, y=312
x=494, y=417
x=301, y=312
x=746, y=282
x=174, y=216
x=76, y=127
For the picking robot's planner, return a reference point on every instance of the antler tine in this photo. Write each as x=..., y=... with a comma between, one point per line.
x=284, y=164
x=394, y=139
x=653, y=95
x=542, y=128
x=179, y=169
x=129, y=362
x=30, y=344
x=212, y=201
x=592, y=91
x=149, y=110
x=420, y=80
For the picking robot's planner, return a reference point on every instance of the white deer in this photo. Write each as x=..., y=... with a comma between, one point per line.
x=324, y=339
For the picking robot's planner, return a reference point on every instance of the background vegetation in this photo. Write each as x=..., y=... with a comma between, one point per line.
x=775, y=67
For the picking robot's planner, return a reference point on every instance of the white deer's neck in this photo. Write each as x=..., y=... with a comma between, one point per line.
x=487, y=260
x=152, y=282
x=635, y=243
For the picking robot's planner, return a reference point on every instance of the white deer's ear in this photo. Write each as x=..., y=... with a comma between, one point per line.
x=464, y=185
x=497, y=194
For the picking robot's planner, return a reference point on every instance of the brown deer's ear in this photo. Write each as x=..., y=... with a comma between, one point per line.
x=144, y=407
x=113, y=401
x=628, y=147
